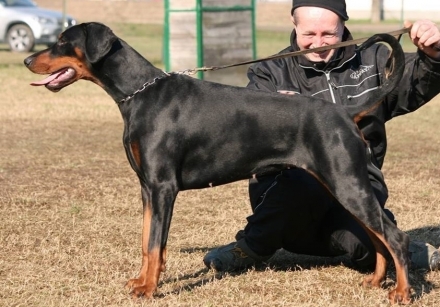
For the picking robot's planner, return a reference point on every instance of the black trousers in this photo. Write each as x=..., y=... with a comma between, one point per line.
x=292, y=210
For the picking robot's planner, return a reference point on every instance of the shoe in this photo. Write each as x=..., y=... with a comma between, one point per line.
x=240, y=235
x=424, y=255
x=235, y=256
x=434, y=263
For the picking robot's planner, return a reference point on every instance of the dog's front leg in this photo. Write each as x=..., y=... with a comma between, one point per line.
x=157, y=211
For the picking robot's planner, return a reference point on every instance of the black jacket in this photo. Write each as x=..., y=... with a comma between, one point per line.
x=348, y=78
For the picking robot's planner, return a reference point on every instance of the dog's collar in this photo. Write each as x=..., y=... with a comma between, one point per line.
x=142, y=88
x=187, y=72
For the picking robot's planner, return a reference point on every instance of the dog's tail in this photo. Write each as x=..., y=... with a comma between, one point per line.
x=394, y=69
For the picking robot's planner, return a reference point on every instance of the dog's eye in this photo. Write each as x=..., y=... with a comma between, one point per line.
x=61, y=41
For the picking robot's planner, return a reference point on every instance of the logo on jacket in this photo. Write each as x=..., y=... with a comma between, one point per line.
x=362, y=69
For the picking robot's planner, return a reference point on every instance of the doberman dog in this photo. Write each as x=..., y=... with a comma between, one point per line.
x=182, y=133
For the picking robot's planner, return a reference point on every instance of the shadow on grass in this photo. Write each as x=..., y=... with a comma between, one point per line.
x=286, y=261
x=202, y=277
x=417, y=277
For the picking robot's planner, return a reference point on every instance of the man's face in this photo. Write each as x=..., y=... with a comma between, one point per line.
x=316, y=27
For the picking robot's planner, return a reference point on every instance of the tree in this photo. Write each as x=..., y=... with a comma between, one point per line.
x=376, y=11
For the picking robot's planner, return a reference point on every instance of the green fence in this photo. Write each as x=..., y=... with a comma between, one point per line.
x=208, y=33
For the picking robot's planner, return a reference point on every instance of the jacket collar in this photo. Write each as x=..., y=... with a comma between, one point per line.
x=341, y=56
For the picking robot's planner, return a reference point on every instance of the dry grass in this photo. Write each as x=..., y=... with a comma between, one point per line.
x=71, y=213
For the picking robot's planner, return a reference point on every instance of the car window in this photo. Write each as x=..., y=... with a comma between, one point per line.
x=17, y=3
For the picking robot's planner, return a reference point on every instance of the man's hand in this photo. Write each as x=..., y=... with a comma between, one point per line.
x=287, y=92
x=426, y=36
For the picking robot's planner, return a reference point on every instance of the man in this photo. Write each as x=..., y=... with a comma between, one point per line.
x=291, y=210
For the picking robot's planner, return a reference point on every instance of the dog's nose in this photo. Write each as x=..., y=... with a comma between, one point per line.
x=28, y=61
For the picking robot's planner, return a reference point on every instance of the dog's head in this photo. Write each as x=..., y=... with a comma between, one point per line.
x=72, y=57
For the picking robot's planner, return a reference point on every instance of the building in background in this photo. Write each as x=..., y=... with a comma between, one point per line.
x=392, y=9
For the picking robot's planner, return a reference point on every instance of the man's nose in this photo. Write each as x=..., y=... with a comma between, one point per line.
x=318, y=41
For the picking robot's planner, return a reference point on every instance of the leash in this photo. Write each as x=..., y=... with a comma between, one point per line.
x=272, y=57
x=295, y=53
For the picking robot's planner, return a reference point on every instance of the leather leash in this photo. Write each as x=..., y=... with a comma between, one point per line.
x=272, y=57
x=294, y=53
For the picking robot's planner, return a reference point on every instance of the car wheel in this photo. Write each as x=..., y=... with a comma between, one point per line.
x=20, y=38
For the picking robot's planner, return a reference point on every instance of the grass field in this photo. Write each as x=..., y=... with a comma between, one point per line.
x=70, y=207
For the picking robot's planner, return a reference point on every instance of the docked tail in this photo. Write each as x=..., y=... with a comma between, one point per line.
x=393, y=73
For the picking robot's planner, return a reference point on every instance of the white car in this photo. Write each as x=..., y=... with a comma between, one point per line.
x=23, y=25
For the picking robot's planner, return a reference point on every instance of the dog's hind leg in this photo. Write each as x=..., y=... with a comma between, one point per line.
x=379, y=274
x=383, y=233
x=397, y=242
x=157, y=211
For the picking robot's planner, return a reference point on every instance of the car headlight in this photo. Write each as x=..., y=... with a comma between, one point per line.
x=45, y=20
x=69, y=22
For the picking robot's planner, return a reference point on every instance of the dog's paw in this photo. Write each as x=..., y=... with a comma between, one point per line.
x=371, y=281
x=138, y=288
x=402, y=297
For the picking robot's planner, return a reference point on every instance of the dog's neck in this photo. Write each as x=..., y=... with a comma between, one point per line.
x=134, y=69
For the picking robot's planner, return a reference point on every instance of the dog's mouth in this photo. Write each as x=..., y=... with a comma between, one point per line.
x=57, y=80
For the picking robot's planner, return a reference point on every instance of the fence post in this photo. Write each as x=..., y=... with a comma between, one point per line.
x=208, y=33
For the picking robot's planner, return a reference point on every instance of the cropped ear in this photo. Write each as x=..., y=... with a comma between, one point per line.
x=99, y=41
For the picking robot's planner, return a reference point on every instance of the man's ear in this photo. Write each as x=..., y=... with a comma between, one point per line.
x=99, y=41
x=293, y=20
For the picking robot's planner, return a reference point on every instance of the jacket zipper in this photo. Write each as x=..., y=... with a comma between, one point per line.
x=327, y=75
x=330, y=85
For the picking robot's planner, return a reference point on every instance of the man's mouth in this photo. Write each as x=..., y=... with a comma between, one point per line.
x=321, y=53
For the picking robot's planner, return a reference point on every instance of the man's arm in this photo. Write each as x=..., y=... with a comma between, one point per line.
x=422, y=71
x=260, y=78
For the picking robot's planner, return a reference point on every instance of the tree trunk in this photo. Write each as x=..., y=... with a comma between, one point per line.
x=376, y=11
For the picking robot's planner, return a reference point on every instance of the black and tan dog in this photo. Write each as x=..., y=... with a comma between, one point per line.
x=182, y=133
